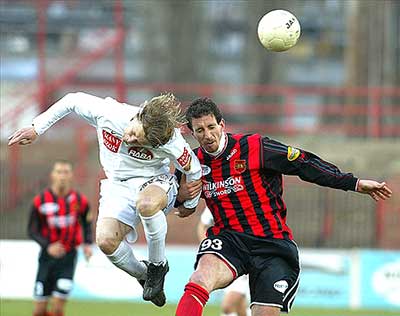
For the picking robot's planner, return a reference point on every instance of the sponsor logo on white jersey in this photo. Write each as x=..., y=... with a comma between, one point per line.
x=224, y=187
x=111, y=142
x=140, y=153
x=281, y=286
x=184, y=159
x=49, y=208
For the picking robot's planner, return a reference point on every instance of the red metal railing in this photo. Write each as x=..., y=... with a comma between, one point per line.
x=46, y=87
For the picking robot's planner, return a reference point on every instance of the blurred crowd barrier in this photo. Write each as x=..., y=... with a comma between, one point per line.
x=330, y=278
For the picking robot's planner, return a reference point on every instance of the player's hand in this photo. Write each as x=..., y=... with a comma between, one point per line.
x=23, y=136
x=184, y=212
x=188, y=191
x=87, y=251
x=377, y=190
x=56, y=249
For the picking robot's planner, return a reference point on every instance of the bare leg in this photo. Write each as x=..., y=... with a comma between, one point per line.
x=39, y=308
x=260, y=310
x=58, y=306
x=234, y=302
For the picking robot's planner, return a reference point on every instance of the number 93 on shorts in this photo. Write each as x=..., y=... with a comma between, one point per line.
x=224, y=247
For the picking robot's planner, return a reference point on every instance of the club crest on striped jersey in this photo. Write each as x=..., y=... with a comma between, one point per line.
x=240, y=165
x=293, y=153
x=140, y=153
x=205, y=170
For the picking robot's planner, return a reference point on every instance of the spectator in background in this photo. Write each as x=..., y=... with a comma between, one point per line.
x=57, y=217
x=236, y=294
x=242, y=186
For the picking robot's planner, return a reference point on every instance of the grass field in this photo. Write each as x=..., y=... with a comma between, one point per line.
x=101, y=308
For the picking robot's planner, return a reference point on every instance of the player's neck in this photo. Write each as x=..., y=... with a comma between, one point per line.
x=221, y=147
x=60, y=191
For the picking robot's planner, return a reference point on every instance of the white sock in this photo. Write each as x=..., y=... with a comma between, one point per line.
x=124, y=259
x=155, y=229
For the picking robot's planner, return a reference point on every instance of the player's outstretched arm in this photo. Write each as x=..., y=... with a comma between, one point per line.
x=377, y=190
x=23, y=136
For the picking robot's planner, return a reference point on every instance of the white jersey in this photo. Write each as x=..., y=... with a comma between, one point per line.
x=206, y=217
x=119, y=160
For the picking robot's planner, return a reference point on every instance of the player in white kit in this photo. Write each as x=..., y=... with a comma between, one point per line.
x=136, y=146
x=237, y=294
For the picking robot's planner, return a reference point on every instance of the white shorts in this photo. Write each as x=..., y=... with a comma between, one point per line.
x=118, y=198
x=240, y=285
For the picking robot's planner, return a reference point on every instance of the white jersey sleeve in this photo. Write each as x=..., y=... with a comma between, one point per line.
x=206, y=217
x=87, y=106
x=185, y=161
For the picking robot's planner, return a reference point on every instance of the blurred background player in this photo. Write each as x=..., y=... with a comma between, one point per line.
x=235, y=300
x=59, y=215
x=243, y=187
x=136, y=145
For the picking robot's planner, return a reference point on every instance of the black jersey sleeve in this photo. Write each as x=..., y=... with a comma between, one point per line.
x=309, y=167
x=85, y=221
x=86, y=226
x=34, y=228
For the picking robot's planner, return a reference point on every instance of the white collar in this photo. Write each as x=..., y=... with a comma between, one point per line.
x=221, y=147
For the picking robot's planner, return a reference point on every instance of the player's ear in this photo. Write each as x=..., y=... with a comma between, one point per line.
x=222, y=124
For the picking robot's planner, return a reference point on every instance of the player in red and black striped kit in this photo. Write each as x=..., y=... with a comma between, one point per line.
x=242, y=186
x=58, y=216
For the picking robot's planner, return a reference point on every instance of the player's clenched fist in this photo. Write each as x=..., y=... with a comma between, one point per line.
x=23, y=136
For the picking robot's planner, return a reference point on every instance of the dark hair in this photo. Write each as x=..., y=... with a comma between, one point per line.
x=63, y=162
x=202, y=107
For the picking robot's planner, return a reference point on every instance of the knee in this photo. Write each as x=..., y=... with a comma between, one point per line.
x=107, y=244
x=228, y=308
x=148, y=206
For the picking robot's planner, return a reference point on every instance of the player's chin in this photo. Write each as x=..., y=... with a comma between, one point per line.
x=211, y=147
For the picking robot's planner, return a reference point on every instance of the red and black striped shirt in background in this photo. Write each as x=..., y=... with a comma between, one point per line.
x=60, y=218
x=243, y=189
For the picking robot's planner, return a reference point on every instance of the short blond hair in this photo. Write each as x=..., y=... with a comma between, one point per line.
x=160, y=116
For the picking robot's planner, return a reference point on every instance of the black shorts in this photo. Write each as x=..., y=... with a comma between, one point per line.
x=272, y=265
x=54, y=276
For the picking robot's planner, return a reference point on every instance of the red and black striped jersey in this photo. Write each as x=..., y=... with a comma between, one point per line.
x=243, y=188
x=60, y=218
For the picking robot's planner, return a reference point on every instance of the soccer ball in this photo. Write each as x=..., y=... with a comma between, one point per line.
x=278, y=30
